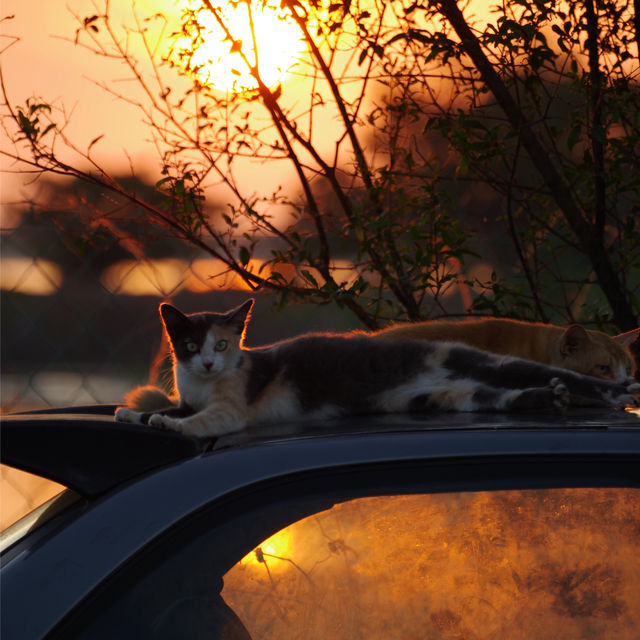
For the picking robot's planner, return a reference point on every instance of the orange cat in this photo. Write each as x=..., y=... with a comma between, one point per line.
x=583, y=350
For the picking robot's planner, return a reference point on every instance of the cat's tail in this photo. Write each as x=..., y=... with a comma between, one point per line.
x=149, y=399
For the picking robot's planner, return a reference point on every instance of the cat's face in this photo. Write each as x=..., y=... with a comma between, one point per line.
x=593, y=353
x=205, y=344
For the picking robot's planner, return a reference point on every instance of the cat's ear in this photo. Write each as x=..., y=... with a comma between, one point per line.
x=237, y=318
x=172, y=318
x=625, y=339
x=574, y=339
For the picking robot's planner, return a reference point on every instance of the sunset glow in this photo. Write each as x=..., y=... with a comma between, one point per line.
x=167, y=276
x=256, y=35
x=31, y=276
x=22, y=492
x=271, y=552
x=534, y=564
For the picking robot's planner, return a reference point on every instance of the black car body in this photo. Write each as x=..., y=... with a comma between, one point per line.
x=442, y=526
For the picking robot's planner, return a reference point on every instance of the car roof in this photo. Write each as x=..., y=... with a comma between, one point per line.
x=85, y=449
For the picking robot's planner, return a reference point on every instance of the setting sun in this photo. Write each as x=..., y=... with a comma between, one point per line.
x=222, y=56
x=272, y=551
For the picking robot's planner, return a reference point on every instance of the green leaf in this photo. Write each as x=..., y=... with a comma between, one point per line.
x=309, y=277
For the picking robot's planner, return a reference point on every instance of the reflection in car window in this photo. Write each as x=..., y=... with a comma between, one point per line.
x=22, y=493
x=505, y=564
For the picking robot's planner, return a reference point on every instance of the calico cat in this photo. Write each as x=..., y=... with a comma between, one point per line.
x=224, y=386
x=588, y=352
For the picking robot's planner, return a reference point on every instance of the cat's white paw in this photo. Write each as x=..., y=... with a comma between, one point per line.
x=628, y=396
x=631, y=398
x=204, y=425
x=165, y=422
x=561, y=397
x=127, y=415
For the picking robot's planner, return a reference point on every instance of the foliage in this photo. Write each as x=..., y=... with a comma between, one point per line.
x=550, y=121
x=539, y=102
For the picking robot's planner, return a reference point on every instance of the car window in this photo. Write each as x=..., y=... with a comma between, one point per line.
x=384, y=562
x=22, y=493
x=503, y=564
x=27, y=503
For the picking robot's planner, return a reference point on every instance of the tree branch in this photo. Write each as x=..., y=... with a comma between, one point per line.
x=597, y=133
x=622, y=310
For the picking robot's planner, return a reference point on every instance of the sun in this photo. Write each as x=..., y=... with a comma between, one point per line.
x=273, y=552
x=222, y=59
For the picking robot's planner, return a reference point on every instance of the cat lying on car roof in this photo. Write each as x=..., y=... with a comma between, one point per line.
x=224, y=387
x=592, y=353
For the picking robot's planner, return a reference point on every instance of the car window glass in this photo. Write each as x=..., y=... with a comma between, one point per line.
x=534, y=563
x=504, y=564
x=21, y=493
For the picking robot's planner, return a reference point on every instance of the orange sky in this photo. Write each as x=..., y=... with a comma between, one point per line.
x=43, y=64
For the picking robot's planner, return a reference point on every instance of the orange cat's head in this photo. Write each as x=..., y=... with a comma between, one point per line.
x=594, y=353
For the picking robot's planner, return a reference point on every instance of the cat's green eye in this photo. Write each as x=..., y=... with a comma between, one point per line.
x=221, y=345
x=603, y=369
x=192, y=347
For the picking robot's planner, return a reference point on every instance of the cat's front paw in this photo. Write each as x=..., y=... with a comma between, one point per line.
x=165, y=422
x=128, y=415
x=206, y=424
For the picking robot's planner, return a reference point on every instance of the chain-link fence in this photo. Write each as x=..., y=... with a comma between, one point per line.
x=79, y=311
